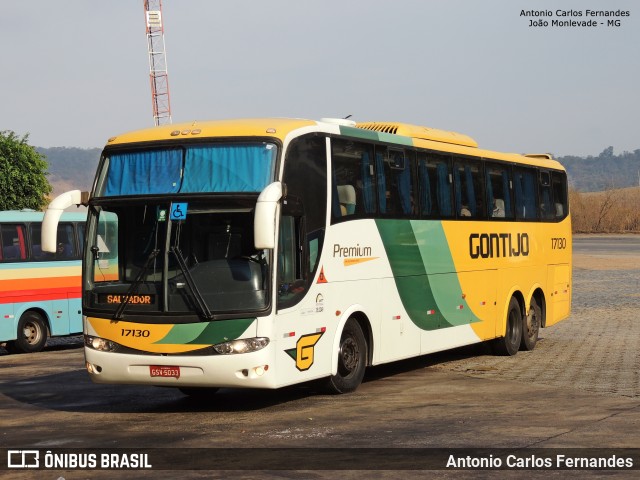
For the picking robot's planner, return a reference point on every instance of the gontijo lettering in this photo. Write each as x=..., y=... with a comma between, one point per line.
x=495, y=245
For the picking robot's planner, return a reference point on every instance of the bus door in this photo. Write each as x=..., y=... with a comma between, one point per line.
x=304, y=351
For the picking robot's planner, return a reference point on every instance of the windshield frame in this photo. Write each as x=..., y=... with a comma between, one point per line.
x=221, y=200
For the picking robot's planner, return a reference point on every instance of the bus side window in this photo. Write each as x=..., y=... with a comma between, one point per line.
x=35, y=231
x=353, y=185
x=66, y=247
x=435, y=186
x=498, y=189
x=525, y=193
x=14, y=247
x=546, y=207
x=468, y=189
x=304, y=215
x=560, y=203
x=290, y=261
x=394, y=177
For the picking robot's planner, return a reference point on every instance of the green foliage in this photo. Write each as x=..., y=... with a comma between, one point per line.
x=604, y=172
x=71, y=168
x=23, y=181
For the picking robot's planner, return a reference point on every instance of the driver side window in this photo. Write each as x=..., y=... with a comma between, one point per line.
x=291, y=275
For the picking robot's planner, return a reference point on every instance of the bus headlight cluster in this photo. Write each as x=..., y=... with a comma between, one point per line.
x=245, y=345
x=99, y=344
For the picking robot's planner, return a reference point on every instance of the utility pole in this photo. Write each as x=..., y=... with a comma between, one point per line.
x=157, y=62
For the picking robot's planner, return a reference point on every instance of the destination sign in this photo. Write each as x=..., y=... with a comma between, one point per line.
x=130, y=299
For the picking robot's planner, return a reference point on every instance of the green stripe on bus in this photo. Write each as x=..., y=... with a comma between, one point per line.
x=376, y=136
x=206, y=333
x=424, y=273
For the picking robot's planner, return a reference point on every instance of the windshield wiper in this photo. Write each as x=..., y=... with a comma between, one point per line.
x=201, y=304
x=134, y=286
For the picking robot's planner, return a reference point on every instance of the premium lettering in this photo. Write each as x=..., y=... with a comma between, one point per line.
x=344, y=252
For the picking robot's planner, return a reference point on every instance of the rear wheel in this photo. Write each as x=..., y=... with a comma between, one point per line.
x=31, y=335
x=531, y=326
x=352, y=359
x=510, y=343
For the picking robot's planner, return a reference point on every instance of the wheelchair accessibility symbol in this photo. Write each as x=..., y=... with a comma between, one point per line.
x=179, y=211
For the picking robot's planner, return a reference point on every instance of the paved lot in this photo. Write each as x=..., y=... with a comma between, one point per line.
x=579, y=388
x=598, y=349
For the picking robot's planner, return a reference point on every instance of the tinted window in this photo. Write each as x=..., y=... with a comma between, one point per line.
x=394, y=169
x=353, y=180
x=468, y=189
x=559, y=188
x=304, y=214
x=434, y=182
x=14, y=245
x=498, y=188
x=524, y=187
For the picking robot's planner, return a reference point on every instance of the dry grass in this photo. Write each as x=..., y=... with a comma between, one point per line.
x=611, y=211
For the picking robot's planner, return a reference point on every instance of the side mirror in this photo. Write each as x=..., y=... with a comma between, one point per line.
x=54, y=212
x=264, y=220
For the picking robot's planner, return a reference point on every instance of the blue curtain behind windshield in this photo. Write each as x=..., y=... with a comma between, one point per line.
x=144, y=173
x=208, y=168
x=227, y=168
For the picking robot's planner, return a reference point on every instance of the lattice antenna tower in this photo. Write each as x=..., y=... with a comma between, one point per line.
x=157, y=62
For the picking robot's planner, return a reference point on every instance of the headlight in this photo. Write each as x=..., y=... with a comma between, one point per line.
x=99, y=344
x=245, y=345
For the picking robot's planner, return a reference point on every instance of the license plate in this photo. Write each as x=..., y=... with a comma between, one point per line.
x=164, y=371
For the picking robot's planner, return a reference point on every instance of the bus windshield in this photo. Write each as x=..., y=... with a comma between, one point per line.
x=203, y=264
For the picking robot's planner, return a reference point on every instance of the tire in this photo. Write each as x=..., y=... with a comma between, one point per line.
x=31, y=335
x=352, y=360
x=510, y=343
x=199, y=392
x=531, y=326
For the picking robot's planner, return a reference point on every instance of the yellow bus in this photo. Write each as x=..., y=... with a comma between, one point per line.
x=269, y=252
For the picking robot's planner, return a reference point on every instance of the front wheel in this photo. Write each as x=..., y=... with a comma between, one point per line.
x=510, y=343
x=352, y=359
x=32, y=334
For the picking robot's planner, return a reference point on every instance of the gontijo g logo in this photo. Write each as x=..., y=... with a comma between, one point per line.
x=304, y=351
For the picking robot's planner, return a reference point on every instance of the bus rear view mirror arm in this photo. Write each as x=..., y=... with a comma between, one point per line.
x=264, y=220
x=53, y=213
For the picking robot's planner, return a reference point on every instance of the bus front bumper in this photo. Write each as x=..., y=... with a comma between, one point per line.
x=246, y=370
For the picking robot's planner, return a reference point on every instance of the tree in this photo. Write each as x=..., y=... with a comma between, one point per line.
x=23, y=174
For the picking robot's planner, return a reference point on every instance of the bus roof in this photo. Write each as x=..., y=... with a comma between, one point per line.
x=254, y=127
x=14, y=216
x=388, y=132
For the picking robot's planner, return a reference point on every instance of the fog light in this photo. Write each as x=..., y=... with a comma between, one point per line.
x=93, y=369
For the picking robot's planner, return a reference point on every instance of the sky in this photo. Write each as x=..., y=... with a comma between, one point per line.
x=75, y=72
